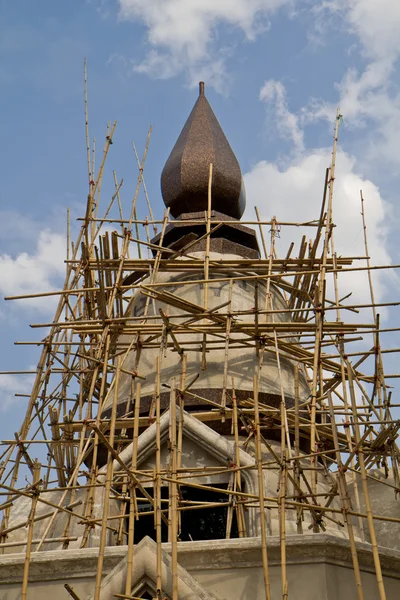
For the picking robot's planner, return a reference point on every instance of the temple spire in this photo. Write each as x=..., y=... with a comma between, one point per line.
x=184, y=180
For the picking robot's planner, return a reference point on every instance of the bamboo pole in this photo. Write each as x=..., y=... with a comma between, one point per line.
x=346, y=505
x=107, y=489
x=282, y=529
x=380, y=381
x=375, y=553
x=87, y=122
x=132, y=503
x=71, y=592
x=296, y=462
x=238, y=484
x=260, y=473
x=173, y=493
x=313, y=223
x=157, y=481
x=145, y=189
x=207, y=262
x=30, y=524
x=226, y=353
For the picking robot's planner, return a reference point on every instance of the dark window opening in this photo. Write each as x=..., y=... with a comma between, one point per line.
x=206, y=523
x=198, y=524
x=145, y=524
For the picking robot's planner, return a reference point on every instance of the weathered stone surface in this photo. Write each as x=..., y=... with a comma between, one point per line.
x=319, y=568
x=242, y=361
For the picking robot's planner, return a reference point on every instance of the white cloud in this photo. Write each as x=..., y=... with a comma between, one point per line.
x=369, y=97
x=182, y=34
x=37, y=272
x=11, y=385
x=273, y=93
x=165, y=66
x=295, y=193
x=367, y=100
x=375, y=23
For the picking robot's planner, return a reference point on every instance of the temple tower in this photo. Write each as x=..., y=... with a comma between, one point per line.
x=197, y=427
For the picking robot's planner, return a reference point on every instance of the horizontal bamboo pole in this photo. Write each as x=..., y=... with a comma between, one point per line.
x=46, y=541
x=313, y=223
x=237, y=327
x=40, y=517
x=313, y=507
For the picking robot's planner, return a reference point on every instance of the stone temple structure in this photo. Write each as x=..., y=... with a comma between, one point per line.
x=194, y=439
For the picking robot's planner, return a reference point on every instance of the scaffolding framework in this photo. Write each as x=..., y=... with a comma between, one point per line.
x=347, y=419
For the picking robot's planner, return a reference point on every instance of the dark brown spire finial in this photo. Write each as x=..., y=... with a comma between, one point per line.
x=184, y=180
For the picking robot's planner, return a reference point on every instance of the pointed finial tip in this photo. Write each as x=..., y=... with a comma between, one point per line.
x=201, y=88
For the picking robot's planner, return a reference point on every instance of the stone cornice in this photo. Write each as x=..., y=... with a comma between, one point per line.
x=194, y=556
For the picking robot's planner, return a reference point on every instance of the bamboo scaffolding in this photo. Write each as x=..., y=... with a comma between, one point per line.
x=90, y=400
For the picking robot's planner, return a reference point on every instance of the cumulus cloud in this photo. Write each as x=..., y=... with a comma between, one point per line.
x=295, y=193
x=376, y=24
x=182, y=34
x=39, y=271
x=11, y=385
x=273, y=93
x=368, y=96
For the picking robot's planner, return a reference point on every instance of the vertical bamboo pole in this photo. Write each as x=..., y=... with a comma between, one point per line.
x=145, y=189
x=174, y=493
x=368, y=508
x=264, y=245
x=31, y=524
x=345, y=502
x=282, y=528
x=107, y=487
x=226, y=353
x=85, y=93
x=181, y=409
x=285, y=439
x=296, y=465
x=341, y=346
x=260, y=473
x=257, y=320
x=238, y=484
x=94, y=466
x=181, y=416
x=317, y=383
x=380, y=380
x=132, y=504
x=207, y=264
x=93, y=157
x=348, y=416
x=230, y=507
x=157, y=481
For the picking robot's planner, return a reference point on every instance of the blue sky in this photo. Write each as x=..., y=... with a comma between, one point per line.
x=275, y=71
